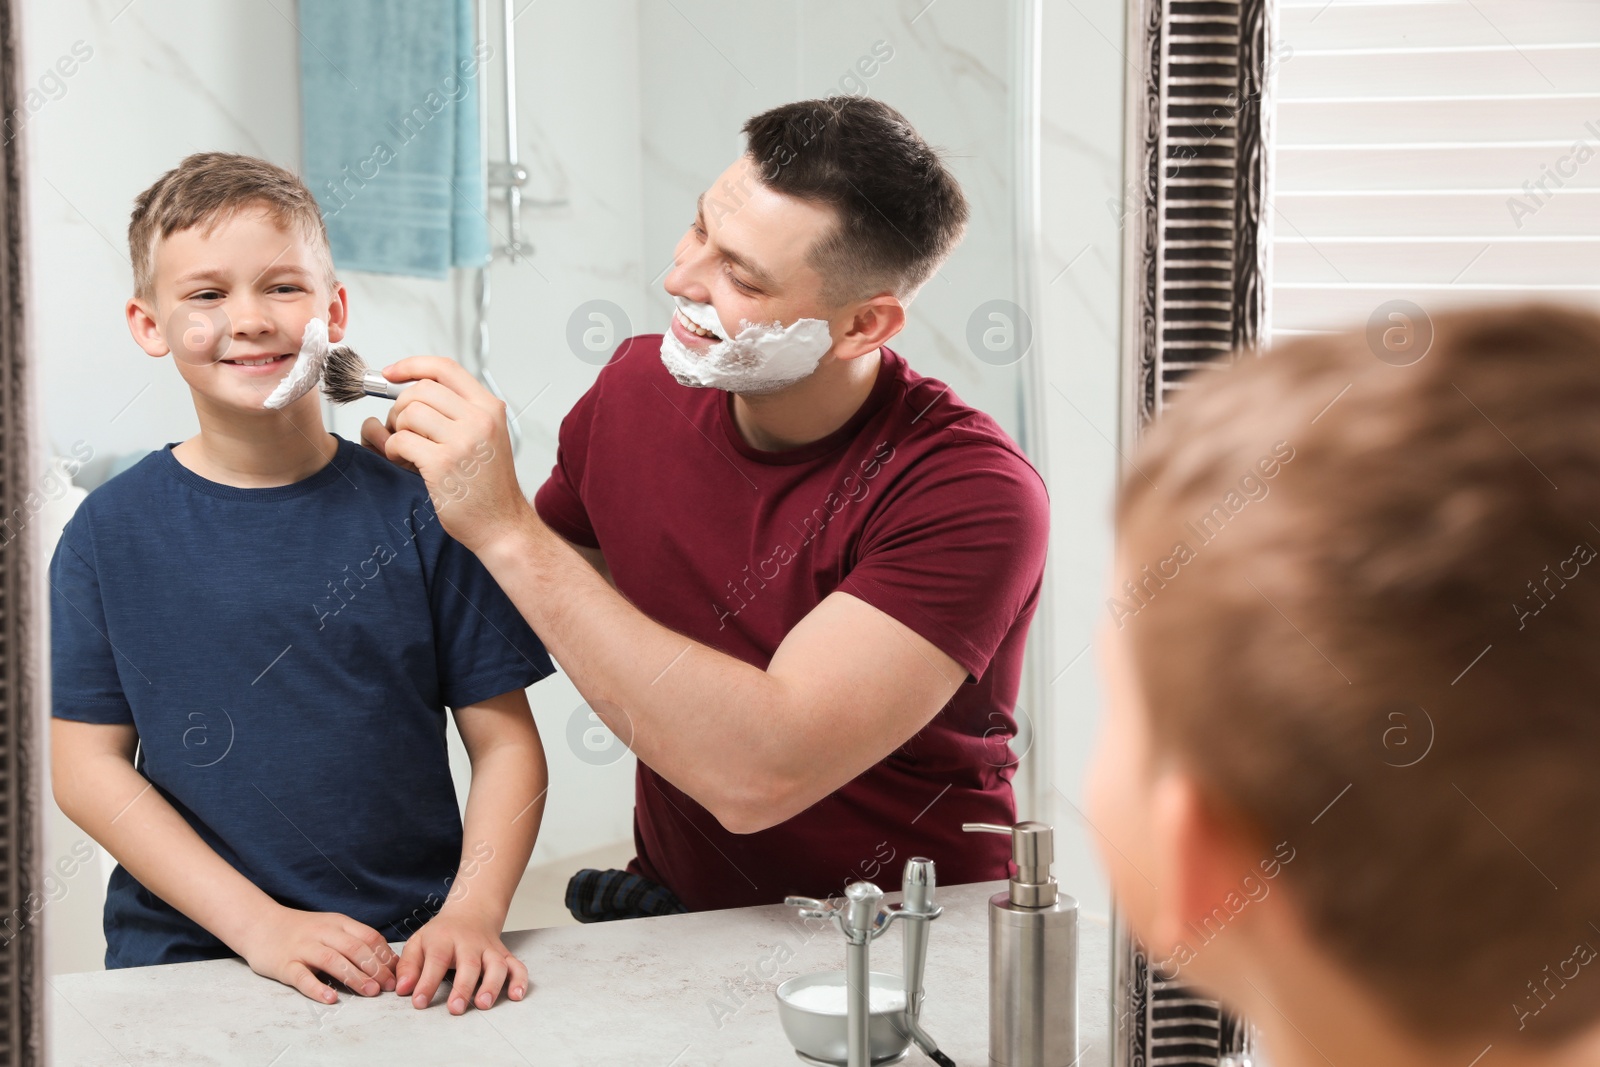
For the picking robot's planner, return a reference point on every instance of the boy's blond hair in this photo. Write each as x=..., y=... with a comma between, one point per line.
x=1391, y=657
x=209, y=187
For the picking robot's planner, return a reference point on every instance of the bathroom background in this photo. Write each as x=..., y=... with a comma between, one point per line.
x=627, y=109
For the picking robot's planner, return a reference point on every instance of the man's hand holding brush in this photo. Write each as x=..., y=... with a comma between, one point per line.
x=451, y=430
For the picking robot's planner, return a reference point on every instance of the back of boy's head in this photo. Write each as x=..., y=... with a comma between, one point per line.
x=210, y=187
x=1410, y=608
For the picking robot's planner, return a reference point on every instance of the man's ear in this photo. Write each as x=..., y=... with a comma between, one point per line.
x=1204, y=852
x=871, y=324
x=338, y=314
x=146, y=331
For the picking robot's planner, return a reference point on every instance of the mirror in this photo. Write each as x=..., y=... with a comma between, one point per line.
x=623, y=115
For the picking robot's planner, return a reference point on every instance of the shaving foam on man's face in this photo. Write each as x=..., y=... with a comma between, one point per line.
x=744, y=288
x=761, y=358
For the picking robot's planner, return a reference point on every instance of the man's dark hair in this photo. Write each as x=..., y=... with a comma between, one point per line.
x=900, y=211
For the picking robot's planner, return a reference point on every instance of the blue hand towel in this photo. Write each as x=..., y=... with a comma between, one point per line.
x=389, y=102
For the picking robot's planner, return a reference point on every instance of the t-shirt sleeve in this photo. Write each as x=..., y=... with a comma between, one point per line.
x=85, y=685
x=959, y=553
x=484, y=646
x=559, y=501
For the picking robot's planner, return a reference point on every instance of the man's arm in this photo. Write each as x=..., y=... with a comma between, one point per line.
x=97, y=787
x=846, y=687
x=505, y=804
x=596, y=559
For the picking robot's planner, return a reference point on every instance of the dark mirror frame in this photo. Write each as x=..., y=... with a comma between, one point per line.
x=1197, y=263
x=21, y=937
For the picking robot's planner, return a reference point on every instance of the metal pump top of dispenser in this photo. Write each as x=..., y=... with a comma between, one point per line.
x=1033, y=958
x=1032, y=850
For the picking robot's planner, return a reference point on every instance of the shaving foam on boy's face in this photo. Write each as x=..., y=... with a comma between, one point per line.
x=761, y=358
x=306, y=372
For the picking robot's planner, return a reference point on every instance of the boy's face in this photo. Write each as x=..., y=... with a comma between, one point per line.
x=231, y=307
x=1170, y=855
x=1120, y=783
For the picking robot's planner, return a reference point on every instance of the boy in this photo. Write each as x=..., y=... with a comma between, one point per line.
x=255, y=635
x=1348, y=774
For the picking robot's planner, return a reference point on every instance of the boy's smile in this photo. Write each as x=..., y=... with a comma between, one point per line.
x=261, y=365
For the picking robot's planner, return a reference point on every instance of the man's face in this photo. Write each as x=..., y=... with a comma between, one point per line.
x=745, y=254
x=231, y=307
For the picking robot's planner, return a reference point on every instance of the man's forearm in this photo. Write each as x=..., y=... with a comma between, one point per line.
x=668, y=697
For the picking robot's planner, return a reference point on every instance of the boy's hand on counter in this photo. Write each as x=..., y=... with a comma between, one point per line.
x=470, y=943
x=294, y=947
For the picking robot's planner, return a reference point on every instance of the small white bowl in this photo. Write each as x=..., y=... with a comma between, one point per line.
x=820, y=1035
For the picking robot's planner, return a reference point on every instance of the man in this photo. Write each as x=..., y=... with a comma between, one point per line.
x=821, y=565
x=1347, y=779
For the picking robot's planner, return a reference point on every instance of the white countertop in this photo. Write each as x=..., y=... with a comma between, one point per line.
x=641, y=991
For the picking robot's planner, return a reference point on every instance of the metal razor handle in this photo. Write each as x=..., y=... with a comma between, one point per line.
x=917, y=885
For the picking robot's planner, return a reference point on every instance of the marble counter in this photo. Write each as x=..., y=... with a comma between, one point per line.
x=675, y=991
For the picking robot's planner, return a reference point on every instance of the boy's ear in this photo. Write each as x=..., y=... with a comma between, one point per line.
x=338, y=314
x=145, y=329
x=1204, y=854
x=872, y=323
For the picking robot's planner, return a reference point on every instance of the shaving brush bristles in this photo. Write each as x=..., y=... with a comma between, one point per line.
x=344, y=378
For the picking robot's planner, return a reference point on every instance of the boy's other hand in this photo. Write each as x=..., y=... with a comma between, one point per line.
x=294, y=947
x=469, y=943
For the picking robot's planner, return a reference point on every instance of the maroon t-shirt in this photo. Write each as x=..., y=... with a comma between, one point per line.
x=919, y=505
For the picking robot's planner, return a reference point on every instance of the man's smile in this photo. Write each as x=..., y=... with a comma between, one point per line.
x=698, y=331
x=692, y=336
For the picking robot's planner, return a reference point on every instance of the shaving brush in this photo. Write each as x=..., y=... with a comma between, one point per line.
x=347, y=377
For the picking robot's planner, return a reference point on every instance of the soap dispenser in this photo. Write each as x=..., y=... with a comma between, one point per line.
x=1033, y=958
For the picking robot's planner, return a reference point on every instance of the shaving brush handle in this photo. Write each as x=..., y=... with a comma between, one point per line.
x=376, y=384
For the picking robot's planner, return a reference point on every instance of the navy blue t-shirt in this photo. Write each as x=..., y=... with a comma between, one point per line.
x=287, y=656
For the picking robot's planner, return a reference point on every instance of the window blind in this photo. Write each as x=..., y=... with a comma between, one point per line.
x=1441, y=152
